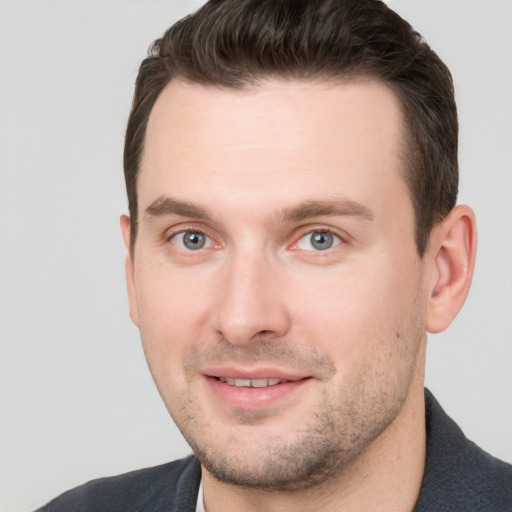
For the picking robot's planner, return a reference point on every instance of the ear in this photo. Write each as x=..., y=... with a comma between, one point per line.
x=129, y=270
x=452, y=251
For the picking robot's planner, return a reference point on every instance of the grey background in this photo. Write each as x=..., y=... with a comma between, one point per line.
x=77, y=401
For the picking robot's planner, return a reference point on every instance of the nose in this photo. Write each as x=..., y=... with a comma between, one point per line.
x=252, y=302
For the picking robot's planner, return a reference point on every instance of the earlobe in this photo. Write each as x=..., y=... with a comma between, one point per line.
x=129, y=269
x=453, y=252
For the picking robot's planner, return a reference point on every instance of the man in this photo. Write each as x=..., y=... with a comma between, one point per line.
x=291, y=169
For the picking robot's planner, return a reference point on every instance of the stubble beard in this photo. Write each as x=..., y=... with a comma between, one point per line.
x=319, y=453
x=346, y=422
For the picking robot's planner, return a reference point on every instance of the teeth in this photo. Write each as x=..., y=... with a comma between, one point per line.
x=259, y=383
x=250, y=383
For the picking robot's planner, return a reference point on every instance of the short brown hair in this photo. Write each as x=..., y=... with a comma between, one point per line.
x=234, y=43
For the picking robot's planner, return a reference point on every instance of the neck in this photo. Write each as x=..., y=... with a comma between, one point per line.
x=387, y=476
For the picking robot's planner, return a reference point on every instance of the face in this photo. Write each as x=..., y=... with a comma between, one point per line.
x=275, y=279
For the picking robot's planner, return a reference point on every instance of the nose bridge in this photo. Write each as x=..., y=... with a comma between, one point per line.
x=250, y=303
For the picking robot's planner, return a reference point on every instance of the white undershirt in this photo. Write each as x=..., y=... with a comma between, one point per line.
x=200, y=499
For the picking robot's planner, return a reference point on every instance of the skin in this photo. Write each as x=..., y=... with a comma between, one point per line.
x=257, y=171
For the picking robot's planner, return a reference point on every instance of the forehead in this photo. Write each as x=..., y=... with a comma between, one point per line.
x=256, y=142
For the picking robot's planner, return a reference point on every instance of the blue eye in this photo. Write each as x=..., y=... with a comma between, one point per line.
x=191, y=240
x=318, y=241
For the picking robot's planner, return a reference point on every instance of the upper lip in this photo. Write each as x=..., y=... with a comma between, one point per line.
x=253, y=374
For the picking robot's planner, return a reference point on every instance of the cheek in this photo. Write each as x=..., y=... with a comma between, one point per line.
x=340, y=300
x=173, y=310
x=365, y=326
x=353, y=311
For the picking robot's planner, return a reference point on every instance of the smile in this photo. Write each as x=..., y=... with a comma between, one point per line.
x=250, y=383
x=239, y=390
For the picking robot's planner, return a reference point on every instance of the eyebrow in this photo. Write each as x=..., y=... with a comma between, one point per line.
x=332, y=208
x=165, y=206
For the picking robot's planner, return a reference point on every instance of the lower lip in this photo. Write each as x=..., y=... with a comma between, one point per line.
x=251, y=399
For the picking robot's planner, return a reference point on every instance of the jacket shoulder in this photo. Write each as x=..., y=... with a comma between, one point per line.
x=459, y=475
x=151, y=488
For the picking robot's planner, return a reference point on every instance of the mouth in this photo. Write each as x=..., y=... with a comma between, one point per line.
x=254, y=392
